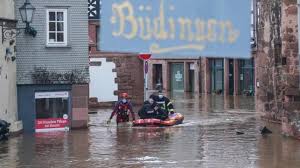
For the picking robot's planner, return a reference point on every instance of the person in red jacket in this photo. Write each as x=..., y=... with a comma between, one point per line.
x=122, y=110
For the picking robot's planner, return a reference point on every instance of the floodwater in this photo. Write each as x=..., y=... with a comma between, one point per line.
x=206, y=139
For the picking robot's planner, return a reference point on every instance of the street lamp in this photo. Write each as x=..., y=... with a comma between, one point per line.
x=27, y=12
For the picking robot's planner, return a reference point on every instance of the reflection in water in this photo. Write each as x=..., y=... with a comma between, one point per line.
x=206, y=139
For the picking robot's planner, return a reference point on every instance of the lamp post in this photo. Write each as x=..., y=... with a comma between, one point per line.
x=27, y=12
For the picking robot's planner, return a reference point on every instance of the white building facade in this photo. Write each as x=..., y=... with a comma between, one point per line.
x=8, y=87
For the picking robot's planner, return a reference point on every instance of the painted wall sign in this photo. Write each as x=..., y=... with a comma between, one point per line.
x=176, y=28
x=41, y=95
x=178, y=76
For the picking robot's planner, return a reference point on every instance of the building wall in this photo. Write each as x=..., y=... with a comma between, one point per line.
x=7, y=9
x=47, y=68
x=277, y=62
x=33, y=52
x=80, y=97
x=203, y=75
x=78, y=103
x=166, y=74
x=124, y=72
x=8, y=91
x=26, y=102
x=130, y=76
x=102, y=84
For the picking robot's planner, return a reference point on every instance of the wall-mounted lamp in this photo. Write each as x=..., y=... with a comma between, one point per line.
x=27, y=12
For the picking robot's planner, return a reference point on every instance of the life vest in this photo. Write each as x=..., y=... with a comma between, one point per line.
x=123, y=109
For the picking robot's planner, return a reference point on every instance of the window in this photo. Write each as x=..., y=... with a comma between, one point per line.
x=52, y=111
x=56, y=27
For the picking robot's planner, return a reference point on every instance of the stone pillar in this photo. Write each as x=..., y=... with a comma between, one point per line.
x=186, y=77
x=166, y=76
x=206, y=104
x=236, y=102
x=93, y=35
x=236, y=77
x=151, y=72
x=130, y=80
x=197, y=77
x=226, y=77
x=207, y=76
x=226, y=102
x=80, y=95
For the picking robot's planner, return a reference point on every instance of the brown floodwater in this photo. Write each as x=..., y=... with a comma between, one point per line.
x=207, y=138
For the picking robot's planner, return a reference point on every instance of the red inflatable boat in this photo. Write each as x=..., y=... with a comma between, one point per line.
x=174, y=119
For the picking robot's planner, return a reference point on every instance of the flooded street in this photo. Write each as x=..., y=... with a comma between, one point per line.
x=206, y=139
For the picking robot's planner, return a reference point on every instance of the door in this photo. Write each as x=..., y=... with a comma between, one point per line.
x=247, y=76
x=177, y=77
x=217, y=75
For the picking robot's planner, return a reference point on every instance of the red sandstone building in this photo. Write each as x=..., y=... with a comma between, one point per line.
x=277, y=63
x=203, y=75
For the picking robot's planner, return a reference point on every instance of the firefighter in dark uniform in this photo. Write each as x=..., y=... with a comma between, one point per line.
x=165, y=103
x=151, y=109
x=122, y=110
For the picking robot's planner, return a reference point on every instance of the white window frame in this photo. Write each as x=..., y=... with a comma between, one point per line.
x=65, y=31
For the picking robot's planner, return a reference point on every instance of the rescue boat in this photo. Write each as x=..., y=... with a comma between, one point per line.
x=173, y=119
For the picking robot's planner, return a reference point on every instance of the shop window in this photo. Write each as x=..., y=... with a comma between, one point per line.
x=51, y=107
x=52, y=110
x=217, y=75
x=247, y=77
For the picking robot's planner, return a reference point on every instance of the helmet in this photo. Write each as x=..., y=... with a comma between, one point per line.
x=124, y=95
x=154, y=97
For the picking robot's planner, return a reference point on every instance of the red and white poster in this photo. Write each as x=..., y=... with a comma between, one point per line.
x=51, y=124
x=52, y=109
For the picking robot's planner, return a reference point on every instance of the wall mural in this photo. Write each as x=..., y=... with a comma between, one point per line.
x=215, y=28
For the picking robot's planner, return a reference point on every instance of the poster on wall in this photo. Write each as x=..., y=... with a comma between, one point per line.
x=52, y=111
x=177, y=28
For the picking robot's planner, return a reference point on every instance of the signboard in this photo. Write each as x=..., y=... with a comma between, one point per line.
x=51, y=124
x=40, y=95
x=177, y=28
x=145, y=56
